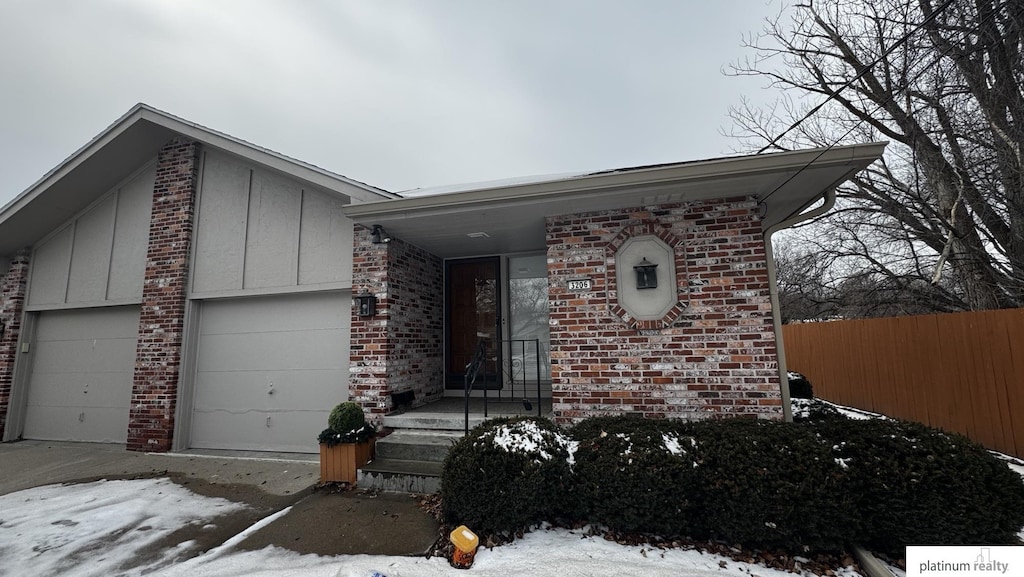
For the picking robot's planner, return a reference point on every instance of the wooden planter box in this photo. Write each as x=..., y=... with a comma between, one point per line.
x=338, y=464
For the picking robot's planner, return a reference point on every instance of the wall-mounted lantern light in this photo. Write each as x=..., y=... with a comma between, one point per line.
x=366, y=304
x=378, y=236
x=646, y=275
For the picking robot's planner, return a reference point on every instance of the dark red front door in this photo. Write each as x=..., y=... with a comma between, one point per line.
x=473, y=303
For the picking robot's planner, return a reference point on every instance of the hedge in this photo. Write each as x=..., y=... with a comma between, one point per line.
x=819, y=485
x=507, y=475
x=636, y=475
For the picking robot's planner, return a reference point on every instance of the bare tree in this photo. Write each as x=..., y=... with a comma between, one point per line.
x=938, y=223
x=805, y=288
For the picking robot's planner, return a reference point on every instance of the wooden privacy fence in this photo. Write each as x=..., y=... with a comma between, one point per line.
x=960, y=372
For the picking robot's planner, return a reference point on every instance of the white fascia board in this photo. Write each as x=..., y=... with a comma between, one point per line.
x=139, y=112
x=71, y=162
x=856, y=156
x=277, y=161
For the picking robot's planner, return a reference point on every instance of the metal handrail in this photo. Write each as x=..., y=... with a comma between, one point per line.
x=472, y=370
x=478, y=362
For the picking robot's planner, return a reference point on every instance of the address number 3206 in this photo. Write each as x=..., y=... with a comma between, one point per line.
x=581, y=285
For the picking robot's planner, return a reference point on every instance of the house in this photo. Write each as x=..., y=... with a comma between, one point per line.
x=172, y=287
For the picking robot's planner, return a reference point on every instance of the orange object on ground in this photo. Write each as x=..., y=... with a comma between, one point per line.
x=465, y=542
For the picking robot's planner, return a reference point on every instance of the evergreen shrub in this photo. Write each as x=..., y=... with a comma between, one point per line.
x=914, y=484
x=771, y=484
x=813, y=410
x=346, y=424
x=635, y=475
x=346, y=417
x=507, y=475
x=821, y=485
x=799, y=386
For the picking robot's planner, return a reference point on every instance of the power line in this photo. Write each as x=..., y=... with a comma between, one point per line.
x=849, y=83
x=858, y=76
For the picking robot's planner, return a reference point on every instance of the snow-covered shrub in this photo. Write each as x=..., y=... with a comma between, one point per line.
x=799, y=386
x=507, y=475
x=914, y=484
x=813, y=410
x=636, y=475
x=771, y=484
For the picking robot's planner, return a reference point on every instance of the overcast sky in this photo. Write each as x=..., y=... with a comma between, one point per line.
x=398, y=94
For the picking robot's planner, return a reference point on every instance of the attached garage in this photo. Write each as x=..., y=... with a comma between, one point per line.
x=269, y=370
x=82, y=368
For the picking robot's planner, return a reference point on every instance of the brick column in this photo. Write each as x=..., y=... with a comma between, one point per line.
x=161, y=324
x=368, y=367
x=12, y=304
x=401, y=347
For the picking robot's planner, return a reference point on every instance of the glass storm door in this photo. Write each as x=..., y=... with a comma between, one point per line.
x=528, y=319
x=473, y=301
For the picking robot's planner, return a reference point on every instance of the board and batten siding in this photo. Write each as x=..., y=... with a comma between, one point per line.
x=258, y=232
x=99, y=256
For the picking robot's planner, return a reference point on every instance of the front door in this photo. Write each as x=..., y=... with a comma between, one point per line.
x=473, y=304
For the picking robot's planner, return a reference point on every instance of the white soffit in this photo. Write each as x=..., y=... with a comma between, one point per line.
x=513, y=214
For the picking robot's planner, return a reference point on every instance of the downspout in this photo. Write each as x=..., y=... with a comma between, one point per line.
x=797, y=217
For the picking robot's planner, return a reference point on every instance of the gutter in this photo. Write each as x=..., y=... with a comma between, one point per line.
x=600, y=184
x=797, y=217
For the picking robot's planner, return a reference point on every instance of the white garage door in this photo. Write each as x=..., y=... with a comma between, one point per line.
x=269, y=371
x=83, y=364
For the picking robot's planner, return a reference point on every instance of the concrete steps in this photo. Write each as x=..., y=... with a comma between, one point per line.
x=417, y=445
x=432, y=421
x=400, y=476
x=409, y=459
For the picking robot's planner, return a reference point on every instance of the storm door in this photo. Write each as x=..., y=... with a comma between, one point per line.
x=528, y=344
x=473, y=304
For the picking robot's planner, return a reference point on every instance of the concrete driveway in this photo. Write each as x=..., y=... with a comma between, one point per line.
x=28, y=464
x=319, y=522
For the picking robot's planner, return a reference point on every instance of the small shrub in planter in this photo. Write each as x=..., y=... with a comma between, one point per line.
x=636, y=475
x=918, y=485
x=346, y=444
x=771, y=484
x=507, y=475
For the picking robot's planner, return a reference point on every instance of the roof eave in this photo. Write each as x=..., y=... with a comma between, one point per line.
x=856, y=156
x=142, y=112
x=280, y=162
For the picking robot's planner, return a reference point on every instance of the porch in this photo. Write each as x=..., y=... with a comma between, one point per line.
x=409, y=458
x=452, y=411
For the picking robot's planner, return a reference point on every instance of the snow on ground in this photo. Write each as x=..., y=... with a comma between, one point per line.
x=555, y=552
x=100, y=528
x=852, y=413
x=97, y=528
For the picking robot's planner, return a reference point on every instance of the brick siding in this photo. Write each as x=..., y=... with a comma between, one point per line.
x=161, y=324
x=713, y=356
x=400, y=348
x=12, y=305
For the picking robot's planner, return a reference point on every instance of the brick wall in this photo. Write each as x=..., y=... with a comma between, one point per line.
x=12, y=304
x=161, y=325
x=713, y=356
x=401, y=347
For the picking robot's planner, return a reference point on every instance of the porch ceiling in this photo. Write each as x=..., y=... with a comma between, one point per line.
x=512, y=216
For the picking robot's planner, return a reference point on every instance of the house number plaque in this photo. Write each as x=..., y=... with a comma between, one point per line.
x=581, y=284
